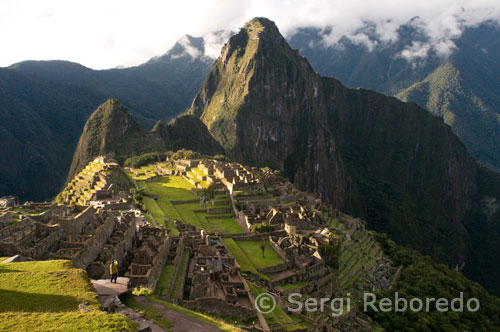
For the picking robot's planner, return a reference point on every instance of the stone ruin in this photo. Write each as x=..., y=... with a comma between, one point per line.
x=91, y=183
x=213, y=282
x=9, y=201
x=91, y=239
x=148, y=256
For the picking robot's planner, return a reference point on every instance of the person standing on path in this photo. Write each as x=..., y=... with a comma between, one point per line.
x=113, y=270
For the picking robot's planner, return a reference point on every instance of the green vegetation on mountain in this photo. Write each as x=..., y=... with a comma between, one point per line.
x=462, y=88
x=260, y=102
x=420, y=277
x=110, y=130
x=472, y=114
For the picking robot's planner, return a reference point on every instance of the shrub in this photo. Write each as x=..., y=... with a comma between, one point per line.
x=142, y=160
x=261, y=228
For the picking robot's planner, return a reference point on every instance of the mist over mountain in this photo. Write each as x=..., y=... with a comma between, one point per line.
x=462, y=87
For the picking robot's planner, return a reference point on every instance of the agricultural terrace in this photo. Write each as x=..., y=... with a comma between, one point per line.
x=160, y=192
x=278, y=319
x=47, y=295
x=358, y=255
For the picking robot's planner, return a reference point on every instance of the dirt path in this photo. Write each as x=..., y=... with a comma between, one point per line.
x=181, y=321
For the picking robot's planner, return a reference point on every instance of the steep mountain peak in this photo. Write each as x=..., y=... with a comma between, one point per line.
x=110, y=129
x=261, y=93
x=261, y=25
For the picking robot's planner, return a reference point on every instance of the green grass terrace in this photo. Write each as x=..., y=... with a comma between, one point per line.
x=46, y=295
x=168, y=189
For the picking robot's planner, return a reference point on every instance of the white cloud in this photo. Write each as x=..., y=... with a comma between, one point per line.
x=214, y=42
x=416, y=51
x=103, y=34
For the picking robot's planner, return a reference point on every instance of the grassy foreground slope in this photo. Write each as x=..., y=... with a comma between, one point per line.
x=48, y=296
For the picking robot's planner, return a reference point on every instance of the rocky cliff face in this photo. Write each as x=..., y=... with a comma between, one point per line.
x=413, y=177
x=262, y=103
x=374, y=156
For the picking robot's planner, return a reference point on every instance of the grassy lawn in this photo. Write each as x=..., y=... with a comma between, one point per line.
x=164, y=281
x=223, y=226
x=241, y=258
x=249, y=255
x=278, y=316
x=172, y=188
x=176, y=188
x=45, y=296
x=253, y=251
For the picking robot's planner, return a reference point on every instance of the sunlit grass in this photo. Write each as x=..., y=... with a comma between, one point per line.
x=45, y=296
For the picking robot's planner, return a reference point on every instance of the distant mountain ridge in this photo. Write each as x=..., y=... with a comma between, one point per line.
x=463, y=89
x=45, y=104
x=165, y=86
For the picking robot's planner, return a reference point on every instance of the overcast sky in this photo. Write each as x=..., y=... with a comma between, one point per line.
x=108, y=33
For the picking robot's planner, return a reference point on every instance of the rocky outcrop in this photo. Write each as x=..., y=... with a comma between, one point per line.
x=413, y=177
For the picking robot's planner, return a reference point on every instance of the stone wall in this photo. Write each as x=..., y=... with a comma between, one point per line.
x=178, y=256
x=274, y=269
x=185, y=202
x=121, y=249
x=159, y=262
x=19, y=230
x=94, y=247
x=8, y=249
x=278, y=249
x=5, y=219
x=242, y=222
x=43, y=248
x=217, y=210
x=75, y=225
x=57, y=210
x=219, y=217
x=221, y=308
